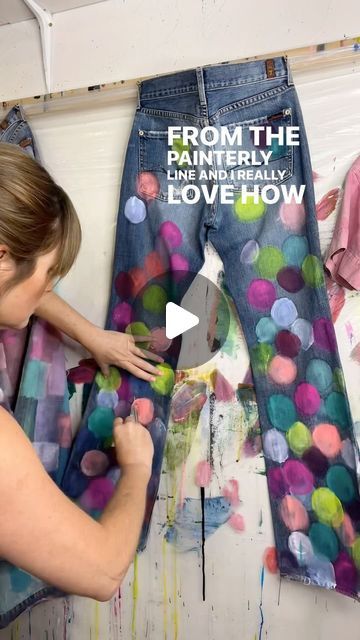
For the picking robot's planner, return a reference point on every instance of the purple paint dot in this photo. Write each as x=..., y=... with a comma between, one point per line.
x=94, y=463
x=287, y=343
x=261, y=294
x=122, y=315
x=298, y=477
x=345, y=573
x=98, y=493
x=277, y=484
x=307, y=399
x=316, y=461
x=324, y=334
x=171, y=234
x=124, y=392
x=290, y=279
x=123, y=285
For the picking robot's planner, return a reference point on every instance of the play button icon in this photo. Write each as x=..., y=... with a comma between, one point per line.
x=178, y=320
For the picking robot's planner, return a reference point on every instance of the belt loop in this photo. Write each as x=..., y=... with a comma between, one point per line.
x=290, y=80
x=201, y=90
x=138, y=83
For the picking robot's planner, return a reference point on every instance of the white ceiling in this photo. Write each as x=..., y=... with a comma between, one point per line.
x=16, y=10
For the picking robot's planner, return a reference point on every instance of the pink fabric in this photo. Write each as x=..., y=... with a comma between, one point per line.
x=343, y=257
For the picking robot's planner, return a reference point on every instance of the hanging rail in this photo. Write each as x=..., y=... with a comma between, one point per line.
x=328, y=55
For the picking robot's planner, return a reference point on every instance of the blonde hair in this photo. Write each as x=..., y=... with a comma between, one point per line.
x=36, y=216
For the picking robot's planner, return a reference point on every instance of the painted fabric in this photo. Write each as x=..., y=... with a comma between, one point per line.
x=343, y=257
x=33, y=388
x=274, y=273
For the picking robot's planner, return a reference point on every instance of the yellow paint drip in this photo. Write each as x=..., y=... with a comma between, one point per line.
x=135, y=594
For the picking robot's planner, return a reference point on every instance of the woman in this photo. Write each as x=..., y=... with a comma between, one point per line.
x=39, y=240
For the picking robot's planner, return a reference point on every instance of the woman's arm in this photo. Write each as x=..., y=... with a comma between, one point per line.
x=107, y=347
x=44, y=533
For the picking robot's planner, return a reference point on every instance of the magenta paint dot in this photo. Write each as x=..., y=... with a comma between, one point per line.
x=324, y=334
x=147, y=185
x=298, y=477
x=171, y=234
x=94, y=463
x=203, y=474
x=345, y=573
x=277, y=482
x=122, y=315
x=307, y=399
x=159, y=341
x=124, y=392
x=123, y=285
x=98, y=494
x=179, y=263
x=287, y=343
x=231, y=492
x=237, y=522
x=290, y=279
x=261, y=294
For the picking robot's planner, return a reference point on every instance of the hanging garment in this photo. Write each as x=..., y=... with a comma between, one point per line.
x=33, y=388
x=273, y=270
x=343, y=257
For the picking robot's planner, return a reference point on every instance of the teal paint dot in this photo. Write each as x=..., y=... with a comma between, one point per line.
x=34, y=383
x=281, y=411
x=324, y=540
x=111, y=382
x=295, y=249
x=101, y=422
x=154, y=299
x=266, y=330
x=20, y=580
x=320, y=375
x=336, y=408
x=339, y=480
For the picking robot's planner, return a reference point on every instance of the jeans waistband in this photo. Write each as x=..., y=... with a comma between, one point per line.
x=217, y=76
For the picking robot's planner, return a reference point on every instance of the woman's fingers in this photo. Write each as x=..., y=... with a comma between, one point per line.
x=148, y=355
x=139, y=373
x=146, y=366
x=142, y=338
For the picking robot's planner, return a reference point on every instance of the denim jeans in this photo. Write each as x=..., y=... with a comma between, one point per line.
x=274, y=273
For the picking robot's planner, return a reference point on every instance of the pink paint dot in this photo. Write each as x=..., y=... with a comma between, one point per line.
x=307, y=399
x=324, y=334
x=138, y=280
x=203, y=474
x=237, y=522
x=270, y=560
x=147, y=185
x=153, y=265
x=98, y=493
x=94, y=463
x=171, y=234
x=231, y=492
x=294, y=514
x=159, y=341
x=64, y=430
x=327, y=438
x=145, y=410
x=282, y=370
x=261, y=294
x=122, y=315
x=292, y=216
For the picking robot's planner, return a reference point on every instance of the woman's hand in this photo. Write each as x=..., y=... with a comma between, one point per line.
x=120, y=349
x=134, y=446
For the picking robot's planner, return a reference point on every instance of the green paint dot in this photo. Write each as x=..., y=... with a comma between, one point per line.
x=261, y=355
x=179, y=146
x=339, y=380
x=101, y=422
x=249, y=211
x=111, y=382
x=312, y=271
x=339, y=480
x=299, y=438
x=269, y=262
x=154, y=299
x=335, y=405
x=163, y=384
x=324, y=540
x=356, y=552
x=281, y=411
x=139, y=329
x=327, y=507
x=108, y=442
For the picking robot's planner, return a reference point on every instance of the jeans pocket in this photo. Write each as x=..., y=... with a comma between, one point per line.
x=264, y=157
x=153, y=159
